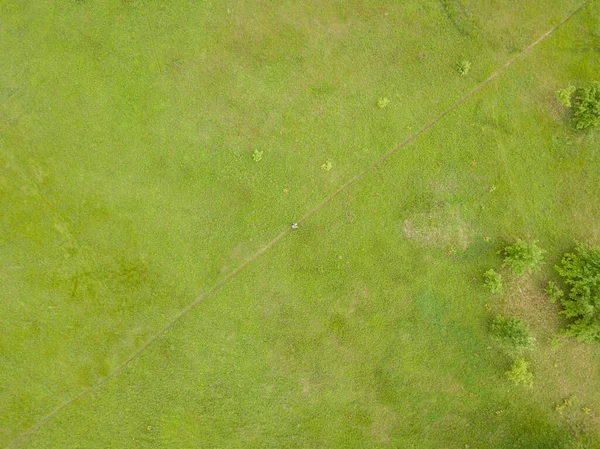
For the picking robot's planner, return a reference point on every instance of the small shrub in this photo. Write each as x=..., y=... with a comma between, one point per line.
x=523, y=256
x=554, y=292
x=257, y=155
x=519, y=373
x=493, y=281
x=566, y=403
x=556, y=343
x=512, y=335
x=383, y=102
x=463, y=67
x=580, y=271
x=326, y=166
x=586, y=106
x=564, y=95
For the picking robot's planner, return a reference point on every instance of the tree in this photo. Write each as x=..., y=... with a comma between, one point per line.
x=513, y=336
x=586, y=107
x=580, y=271
x=523, y=256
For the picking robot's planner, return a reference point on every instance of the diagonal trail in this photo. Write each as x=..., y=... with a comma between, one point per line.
x=282, y=234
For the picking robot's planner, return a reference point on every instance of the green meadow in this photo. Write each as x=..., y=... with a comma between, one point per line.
x=154, y=155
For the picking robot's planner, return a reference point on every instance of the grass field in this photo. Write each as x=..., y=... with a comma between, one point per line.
x=128, y=191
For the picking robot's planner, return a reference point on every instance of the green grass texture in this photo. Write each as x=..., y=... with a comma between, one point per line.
x=128, y=191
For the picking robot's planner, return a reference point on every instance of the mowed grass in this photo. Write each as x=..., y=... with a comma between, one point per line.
x=128, y=189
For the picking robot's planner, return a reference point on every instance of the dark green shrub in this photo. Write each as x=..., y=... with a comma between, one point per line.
x=580, y=271
x=586, y=106
x=523, y=256
x=512, y=335
x=493, y=281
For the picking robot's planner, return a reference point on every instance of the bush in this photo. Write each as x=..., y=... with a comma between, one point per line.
x=586, y=110
x=512, y=335
x=493, y=281
x=580, y=271
x=463, y=67
x=383, y=102
x=519, y=373
x=564, y=95
x=554, y=292
x=327, y=166
x=523, y=256
x=257, y=155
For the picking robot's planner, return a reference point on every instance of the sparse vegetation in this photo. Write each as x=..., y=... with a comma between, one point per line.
x=556, y=342
x=565, y=404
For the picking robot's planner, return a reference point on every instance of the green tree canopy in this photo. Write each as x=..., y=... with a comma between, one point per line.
x=586, y=107
x=523, y=256
x=580, y=271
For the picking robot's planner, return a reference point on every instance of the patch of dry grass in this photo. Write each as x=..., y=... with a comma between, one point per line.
x=443, y=226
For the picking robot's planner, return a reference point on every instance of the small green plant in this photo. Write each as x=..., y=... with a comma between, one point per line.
x=564, y=95
x=257, y=155
x=463, y=67
x=519, y=373
x=493, y=281
x=523, y=256
x=554, y=292
x=326, y=166
x=556, y=343
x=586, y=106
x=512, y=335
x=566, y=403
x=382, y=102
